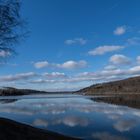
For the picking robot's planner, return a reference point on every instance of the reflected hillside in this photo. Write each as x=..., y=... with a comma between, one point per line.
x=6, y=101
x=126, y=100
x=73, y=116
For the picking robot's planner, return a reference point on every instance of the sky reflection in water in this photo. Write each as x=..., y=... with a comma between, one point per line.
x=74, y=116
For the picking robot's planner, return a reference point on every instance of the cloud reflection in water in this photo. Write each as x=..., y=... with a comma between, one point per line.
x=80, y=113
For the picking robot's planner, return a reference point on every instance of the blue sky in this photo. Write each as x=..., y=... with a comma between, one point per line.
x=75, y=43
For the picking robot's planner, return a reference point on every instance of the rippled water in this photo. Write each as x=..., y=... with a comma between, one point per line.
x=76, y=116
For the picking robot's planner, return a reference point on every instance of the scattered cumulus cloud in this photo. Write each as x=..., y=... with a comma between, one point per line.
x=78, y=81
x=42, y=81
x=135, y=69
x=76, y=41
x=4, y=53
x=104, y=75
x=41, y=64
x=120, y=30
x=55, y=75
x=105, y=49
x=69, y=65
x=119, y=59
x=133, y=41
x=21, y=76
x=113, y=71
x=110, y=67
x=72, y=64
x=138, y=59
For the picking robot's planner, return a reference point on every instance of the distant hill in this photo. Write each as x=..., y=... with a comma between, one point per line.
x=126, y=86
x=10, y=91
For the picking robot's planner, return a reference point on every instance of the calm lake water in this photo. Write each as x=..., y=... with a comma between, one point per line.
x=74, y=115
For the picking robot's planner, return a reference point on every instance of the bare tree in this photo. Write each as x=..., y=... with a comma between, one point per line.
x=10, y=26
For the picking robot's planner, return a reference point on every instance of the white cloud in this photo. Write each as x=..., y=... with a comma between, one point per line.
x=41, y=64
x=120, y=30
x=133, y=41
x=109, y=73
x=76, y=41
x=134, y=70
x=105, y=49
x=21, y=76
x=104, y=75
x=110, y=67
x=138, y=59
x=54, y=75
x=72, y=64
x=69, y=65
x=119, y=59
x=4, y=53
x=42, y=81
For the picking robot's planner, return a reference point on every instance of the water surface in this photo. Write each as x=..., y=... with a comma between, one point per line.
x=73, y=115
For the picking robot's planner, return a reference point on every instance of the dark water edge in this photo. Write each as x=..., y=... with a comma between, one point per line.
x=11, y=130
x=130, y=100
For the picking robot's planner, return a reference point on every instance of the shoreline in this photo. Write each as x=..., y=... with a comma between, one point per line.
x=12, y=130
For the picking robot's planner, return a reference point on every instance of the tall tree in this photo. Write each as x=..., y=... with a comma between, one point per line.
x=10, y=26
